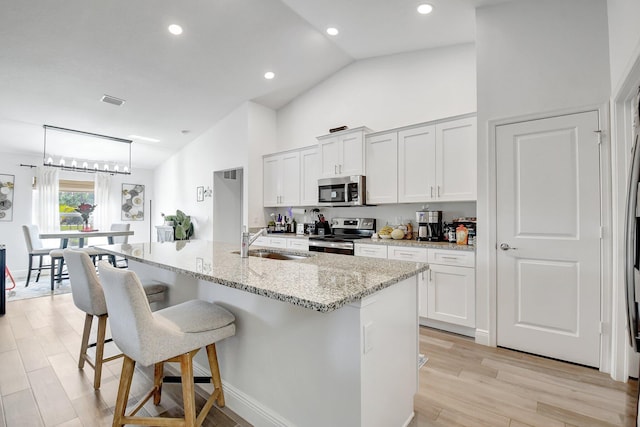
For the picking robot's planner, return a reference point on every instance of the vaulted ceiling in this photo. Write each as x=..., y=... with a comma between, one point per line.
x=59, y=57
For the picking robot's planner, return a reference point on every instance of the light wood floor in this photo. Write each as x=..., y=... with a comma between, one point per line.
x=465, y=384
x=462, y=384
x=40, y=384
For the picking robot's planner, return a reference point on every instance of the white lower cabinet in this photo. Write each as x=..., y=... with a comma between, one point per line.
x=371, y=251
x=451, y=295
x=298, y=244
x=446, y=292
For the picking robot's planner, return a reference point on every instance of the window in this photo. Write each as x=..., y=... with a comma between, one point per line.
x=72, y=194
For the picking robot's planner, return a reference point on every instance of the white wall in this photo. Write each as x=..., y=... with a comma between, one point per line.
x=624, y=37
x=11, y=232
x=533, y=56
x=383, y=93
x=237, y=141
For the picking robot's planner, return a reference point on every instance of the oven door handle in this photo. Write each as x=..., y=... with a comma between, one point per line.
x=336, y=245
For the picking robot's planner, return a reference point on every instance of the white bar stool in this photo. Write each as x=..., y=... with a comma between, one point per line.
x=88, y=296
x=173, y=334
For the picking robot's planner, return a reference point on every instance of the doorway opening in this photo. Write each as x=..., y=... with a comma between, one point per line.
x=227, y=205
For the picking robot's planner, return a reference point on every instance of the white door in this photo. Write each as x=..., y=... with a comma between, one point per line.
x=417, y=164
x=382, y=168
x=329, y=157
x=548, y=237
x=451, y=294
x=290, y=195
x=456, y=159
x=309, y=174
x=352, y=156
x=271, y=180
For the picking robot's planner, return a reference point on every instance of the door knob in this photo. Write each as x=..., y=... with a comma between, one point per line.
x=506, y=247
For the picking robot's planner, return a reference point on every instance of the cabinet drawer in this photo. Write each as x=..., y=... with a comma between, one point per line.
x=404, y=253
x=449, y=257
x=298, y=244
x=372, y=251
x=262, y=241
x=278, y=242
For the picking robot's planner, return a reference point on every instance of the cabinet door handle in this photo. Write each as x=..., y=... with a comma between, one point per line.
x=339, y=168
x=432, y=191
x=335, y=169
x=430, y=275
x=455, y=258
x=438, y=191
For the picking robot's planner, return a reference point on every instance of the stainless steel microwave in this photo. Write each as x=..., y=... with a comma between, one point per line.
x=343, y=191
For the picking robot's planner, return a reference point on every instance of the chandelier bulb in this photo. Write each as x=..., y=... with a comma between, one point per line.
x=85, y=165
x=74, y=164
x=62, y=162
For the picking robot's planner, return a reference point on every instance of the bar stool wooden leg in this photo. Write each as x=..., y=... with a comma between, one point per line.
x=188, y=390
x=123, y=391
x=102, y=330
x=215, y=373
x=88, y=320
x=158, y=375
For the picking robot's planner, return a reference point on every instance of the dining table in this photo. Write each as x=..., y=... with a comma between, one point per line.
x=66, y=235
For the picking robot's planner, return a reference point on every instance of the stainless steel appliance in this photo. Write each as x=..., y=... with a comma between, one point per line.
x=429, y=225
x=632, y=236
x=342, y=191
x=345, y=231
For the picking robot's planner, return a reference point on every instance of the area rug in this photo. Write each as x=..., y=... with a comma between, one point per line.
x=35, y=290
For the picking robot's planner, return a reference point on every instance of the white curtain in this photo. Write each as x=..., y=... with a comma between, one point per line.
x=48, y=211
x=102, y=197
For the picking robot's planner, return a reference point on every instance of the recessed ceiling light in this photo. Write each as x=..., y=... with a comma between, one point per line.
x=332, y=31
x=425, y=9
x=269, y=75
x=143, y=138
x=175, y=29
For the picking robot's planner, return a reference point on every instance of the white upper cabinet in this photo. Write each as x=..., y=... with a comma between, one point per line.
x=309, y=174
x=456, y=160
x=381, y=154
x=342, y=153
x=438, y=162
x=417, y=164
x=281, y=179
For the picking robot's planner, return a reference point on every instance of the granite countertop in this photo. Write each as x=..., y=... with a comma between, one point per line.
x=321, y=282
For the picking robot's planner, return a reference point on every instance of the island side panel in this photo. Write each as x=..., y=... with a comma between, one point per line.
x=390, y=355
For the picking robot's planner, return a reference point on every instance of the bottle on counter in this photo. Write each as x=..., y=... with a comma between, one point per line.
x=462, y=234
x=472, y=237
x=451, y=233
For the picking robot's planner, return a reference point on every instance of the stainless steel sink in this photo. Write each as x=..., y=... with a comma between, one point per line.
x=261, y=253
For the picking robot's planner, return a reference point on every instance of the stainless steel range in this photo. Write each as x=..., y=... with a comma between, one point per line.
x=344, y=231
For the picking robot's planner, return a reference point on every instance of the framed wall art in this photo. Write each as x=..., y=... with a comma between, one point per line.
x=132, y=202
x=6, y=197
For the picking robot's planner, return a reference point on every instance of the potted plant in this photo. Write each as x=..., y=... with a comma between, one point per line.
x=182, y=225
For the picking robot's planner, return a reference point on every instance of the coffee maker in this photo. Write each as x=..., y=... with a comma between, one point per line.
x=429, y=225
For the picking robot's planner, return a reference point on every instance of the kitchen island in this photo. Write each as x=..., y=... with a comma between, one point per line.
x=321, y=339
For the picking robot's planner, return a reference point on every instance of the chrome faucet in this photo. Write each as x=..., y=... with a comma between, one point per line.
x=247, y=240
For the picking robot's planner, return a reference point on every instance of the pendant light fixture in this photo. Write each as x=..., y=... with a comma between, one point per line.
x=75, y=150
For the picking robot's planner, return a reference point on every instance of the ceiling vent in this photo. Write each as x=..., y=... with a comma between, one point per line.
x=112, y=100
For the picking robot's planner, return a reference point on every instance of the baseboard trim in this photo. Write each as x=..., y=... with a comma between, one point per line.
x=244, y=405
x=482, y=337
x=406, y=423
